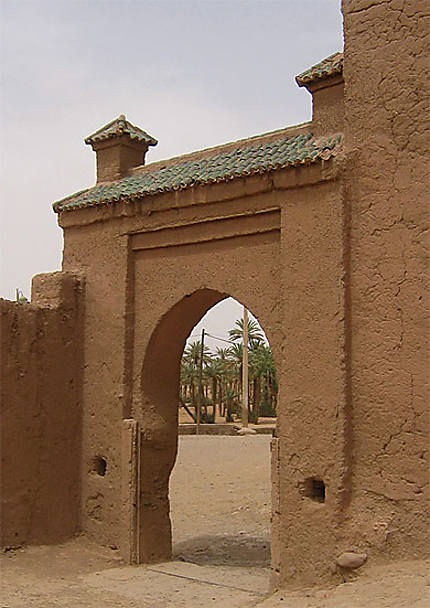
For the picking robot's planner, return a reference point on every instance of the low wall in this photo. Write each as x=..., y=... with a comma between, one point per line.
x=222, y=429
x=40, y=412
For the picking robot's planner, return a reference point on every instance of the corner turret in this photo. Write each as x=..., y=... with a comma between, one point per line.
x=325, y=83
x=119, y=146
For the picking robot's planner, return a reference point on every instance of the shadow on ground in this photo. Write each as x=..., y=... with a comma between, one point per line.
x=224, y=550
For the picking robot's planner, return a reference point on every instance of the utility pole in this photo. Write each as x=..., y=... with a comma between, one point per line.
x=245, y=369
x=200, y=392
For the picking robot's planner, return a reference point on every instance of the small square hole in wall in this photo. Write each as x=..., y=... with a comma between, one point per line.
x=318, y=490
x=99, y=466
x=314, y=489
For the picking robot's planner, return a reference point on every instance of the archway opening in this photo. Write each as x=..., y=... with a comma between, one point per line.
x=248, y=543
x=220, y=488
x=211, y=375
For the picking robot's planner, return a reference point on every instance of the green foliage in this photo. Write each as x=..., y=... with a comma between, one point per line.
x=266, y=408
x=221, y=389
x=255, y=335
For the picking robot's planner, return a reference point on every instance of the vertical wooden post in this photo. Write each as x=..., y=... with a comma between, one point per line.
x=245, y=369
x=275, y=549
x=130, y=449
x=200, y=391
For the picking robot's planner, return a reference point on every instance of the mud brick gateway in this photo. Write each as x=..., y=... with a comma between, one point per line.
x=320, y=231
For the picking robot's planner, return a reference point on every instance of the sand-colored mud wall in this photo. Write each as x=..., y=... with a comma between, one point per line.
x=312, y=419
x=101, y=254
x=327, y=107
x=331, y=259
x=40, y=412
x=386, y=190
x=131, y=282
x=152, y=269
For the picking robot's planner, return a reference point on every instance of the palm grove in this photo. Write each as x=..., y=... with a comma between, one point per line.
x=215, y=379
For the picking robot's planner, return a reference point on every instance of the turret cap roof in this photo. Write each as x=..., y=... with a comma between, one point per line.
x=330, y=66
x=121, y=126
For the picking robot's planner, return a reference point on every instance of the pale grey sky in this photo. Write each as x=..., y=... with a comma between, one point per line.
x=193, y=73
x=217, y=321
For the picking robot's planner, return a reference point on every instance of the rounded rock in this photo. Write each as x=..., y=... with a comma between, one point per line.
x=351, y=560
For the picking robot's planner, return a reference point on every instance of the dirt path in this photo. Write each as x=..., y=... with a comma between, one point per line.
x=220, y=501
x=220, y=492
x=401, y=585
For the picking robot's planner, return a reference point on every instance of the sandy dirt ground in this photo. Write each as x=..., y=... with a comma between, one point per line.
x=220, y=500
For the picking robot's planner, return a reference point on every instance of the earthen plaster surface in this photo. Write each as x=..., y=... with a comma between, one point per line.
x=41, y=404
x=386, y=195
x=330, y=257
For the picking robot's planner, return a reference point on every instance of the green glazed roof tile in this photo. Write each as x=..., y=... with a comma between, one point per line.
x=116, y=128
x=331, y=66
x=249, y=158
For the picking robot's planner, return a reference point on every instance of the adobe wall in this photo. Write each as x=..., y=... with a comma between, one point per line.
x=313, y=417
x=327, y=106
x=329, y=257
x=100, y=254
x=386, y=191
x=130, y=287
x=40, y=413
x=153, y=268
x=174, y=287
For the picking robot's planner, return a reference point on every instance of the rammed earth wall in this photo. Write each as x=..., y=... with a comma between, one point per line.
x=40, y=412
x=326, y=247
x=386, y=197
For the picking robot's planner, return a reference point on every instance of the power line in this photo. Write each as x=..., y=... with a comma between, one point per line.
x=214, y=337
x=221, y=339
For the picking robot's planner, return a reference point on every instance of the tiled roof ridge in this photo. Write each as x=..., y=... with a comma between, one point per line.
x=328, y=67
x=120, y=126
x=231, y=145
x=228, y=164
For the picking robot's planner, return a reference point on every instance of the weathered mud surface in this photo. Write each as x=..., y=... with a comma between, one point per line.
x=220, y=510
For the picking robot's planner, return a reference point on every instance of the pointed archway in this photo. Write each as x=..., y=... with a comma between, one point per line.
x=158, y=418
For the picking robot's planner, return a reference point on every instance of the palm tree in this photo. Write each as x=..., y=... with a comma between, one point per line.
x=255, y=335
x=263, y=374
x=236, y=354
x=231, y=403
x=186, y=379
x=222, y=376
x=187, y=389
x=192, y=352
x=214, y=371
x=222, y=354
x=190, y=364
x=227, y=369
